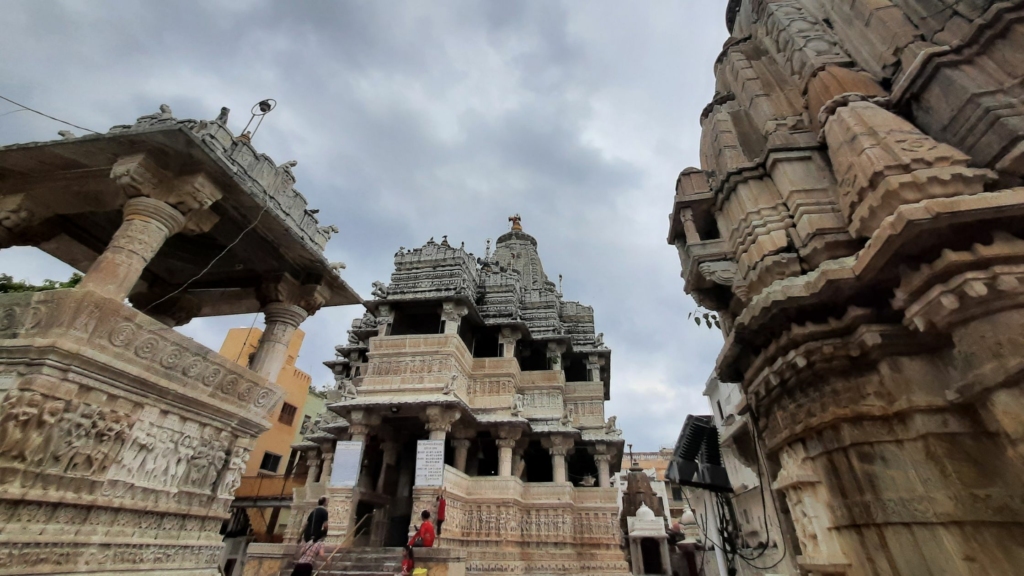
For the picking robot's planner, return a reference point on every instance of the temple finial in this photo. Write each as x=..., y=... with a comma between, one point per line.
x=516, y=221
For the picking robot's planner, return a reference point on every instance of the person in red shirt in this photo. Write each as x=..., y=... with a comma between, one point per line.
x=424, y=536
x=407, y=561
x=441, y=505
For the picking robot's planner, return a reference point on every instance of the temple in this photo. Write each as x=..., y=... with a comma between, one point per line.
x=122, y=441
x=856, y=225
x=484, y=357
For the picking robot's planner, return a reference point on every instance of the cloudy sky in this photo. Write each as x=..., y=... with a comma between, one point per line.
x=419, y=119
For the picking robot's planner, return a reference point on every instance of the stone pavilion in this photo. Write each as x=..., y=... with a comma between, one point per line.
x=121, y=440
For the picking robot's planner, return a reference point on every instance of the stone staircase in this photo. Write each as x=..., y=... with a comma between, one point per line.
x=361, y=562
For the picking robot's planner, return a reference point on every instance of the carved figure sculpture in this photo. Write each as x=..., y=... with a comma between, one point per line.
x=567, y=415
x=517, y=404
x=609, y=427
x=353, y=339
x=348, y=390
x=588, y=481
x=450, y=387
x=380, y=291
x=599, y=340
x=219, y=457
x=290, y=164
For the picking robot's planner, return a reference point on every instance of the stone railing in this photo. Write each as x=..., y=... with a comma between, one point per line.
x=416, y=362
x=578, y=391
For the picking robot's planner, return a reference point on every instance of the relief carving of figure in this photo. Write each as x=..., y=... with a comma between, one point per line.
x=81, y=461
x=45, y=440
x=380, y=291
x=155, y=463
x=182, y=457
x=78, y=436
x=17, y=427
x=353, y=340
x=232, y=478
x=138, y=445
x=113, y=437
x=517, y=404
x=219, y=458
x=599, y=340
x=200, y=462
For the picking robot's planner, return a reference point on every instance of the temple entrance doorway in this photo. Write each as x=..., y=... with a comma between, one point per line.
x=650, y=550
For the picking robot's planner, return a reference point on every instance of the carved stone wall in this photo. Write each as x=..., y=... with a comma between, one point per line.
x=121, y=441
x=856, y=225
x=508, y=527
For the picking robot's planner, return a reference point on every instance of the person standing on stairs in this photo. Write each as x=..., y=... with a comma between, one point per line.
x=316, y=522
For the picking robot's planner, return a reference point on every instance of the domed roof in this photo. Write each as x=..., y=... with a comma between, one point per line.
x=644, y=513
x=687, y=519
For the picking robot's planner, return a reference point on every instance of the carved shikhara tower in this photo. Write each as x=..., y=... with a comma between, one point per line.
x=857, y=224
x=485, y=355
x=122, y=441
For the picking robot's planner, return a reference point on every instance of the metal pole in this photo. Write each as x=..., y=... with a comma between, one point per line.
x=716, y=534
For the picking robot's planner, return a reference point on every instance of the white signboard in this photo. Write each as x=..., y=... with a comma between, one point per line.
x=429, y=462
x=348, y=459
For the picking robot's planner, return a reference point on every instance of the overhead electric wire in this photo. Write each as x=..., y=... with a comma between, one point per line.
x=47, y=115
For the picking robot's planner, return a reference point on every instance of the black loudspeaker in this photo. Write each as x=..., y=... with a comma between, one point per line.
x=697, y=459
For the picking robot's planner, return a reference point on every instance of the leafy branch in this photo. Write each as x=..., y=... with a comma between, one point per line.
x=8, y=285
x=706, y=317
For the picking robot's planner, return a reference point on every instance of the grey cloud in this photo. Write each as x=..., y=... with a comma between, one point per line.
x=412, y=120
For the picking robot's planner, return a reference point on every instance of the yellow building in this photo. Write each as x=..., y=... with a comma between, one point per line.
x=273, y=448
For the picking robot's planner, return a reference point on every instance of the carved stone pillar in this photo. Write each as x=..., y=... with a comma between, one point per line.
x=281, y=322
x=147, y=224
x=160, y=206
x=390, y=450
x=328, y=452
x=558, y=446
x=452, y=314
x=505, y=446
x=461, y=446
x=689, y=228
x=314, y=468
x=508, y=339
x=507, y=438
x=594, y=363
x=604, y=473
x=439, y=421
x=287, y=303
x=385, y=318
x=555, y=351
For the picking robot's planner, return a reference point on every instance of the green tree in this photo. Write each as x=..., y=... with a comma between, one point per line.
x=8, y=285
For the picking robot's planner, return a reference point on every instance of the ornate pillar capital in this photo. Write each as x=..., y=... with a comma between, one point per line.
x=439, y=420
x=282, y=288
x=506, y=443
x=452, y=313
